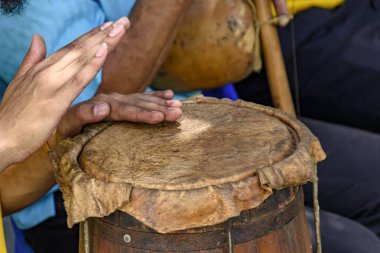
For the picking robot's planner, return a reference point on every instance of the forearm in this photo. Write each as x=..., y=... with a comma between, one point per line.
x=24, y=183
x=136, y=60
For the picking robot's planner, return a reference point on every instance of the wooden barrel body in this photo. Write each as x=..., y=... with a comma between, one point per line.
x=277, y=226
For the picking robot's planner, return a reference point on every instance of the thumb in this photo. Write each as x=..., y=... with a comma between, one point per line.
x=35, y=54
x=282, y=12
x=82, y=114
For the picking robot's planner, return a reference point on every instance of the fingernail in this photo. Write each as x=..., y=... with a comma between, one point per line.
x=156, y=113
x=100, y=109
x=173, y=108
x=117, y=28
x=174, y=102
x=106, y=25
x=283, y=20
x=124, y=21
x=102, y=50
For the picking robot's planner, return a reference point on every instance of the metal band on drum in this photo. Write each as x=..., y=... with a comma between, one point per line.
x=277, y=211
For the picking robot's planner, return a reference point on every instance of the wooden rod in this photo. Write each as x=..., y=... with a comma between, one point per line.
x=274, y=62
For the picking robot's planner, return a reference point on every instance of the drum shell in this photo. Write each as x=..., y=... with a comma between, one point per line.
x=214, y=46
x=278, y=225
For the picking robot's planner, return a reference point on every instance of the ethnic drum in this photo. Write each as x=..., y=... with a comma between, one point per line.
x=223, y=178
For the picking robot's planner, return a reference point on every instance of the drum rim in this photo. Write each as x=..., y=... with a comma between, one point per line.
x=294, y=127
x=101, y=200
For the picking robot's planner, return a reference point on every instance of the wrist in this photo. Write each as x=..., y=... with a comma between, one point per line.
x=54, y=139
x=7, y=150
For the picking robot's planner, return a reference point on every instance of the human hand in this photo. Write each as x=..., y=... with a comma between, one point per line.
x=150, y=107
x=282, y=12
x=43, y=89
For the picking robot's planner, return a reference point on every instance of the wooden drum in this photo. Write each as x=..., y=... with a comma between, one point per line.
x=223, y=178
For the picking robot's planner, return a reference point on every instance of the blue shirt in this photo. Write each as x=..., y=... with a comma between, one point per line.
x=59, y=22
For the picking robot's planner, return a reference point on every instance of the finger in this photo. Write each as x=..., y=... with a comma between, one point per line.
x=82, y=61
x=167, y=94
x=126, y=112
x=282, y=12
x=158, y=100
x=152, y=97
x=35, y=54
x=174, y=103
x=170, y=113
x=109, y=32
x=173, y=114
x=75, y=85
x=146, y=102
x=82, y=114
x=80, y=42
x=171, y=109
x=281, y=7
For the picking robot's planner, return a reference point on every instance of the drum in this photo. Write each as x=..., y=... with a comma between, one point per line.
x=223, y=178
x=216, y=44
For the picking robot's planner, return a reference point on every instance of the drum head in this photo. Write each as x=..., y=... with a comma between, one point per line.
x=211, y=144
x=220, y=158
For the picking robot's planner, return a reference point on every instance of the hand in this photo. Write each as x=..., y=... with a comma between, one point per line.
x=282, y=12
x=43, y=89
x=149, y=107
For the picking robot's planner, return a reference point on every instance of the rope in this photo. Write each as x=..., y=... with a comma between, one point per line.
x=257, y=62
x=231, y=243
x=257, y=67
x=317, y=219
x=86, y=237
x=294, y=62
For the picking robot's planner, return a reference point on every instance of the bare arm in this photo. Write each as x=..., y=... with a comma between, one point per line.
x=43, y=89
x=138, y=57
x=24, y=183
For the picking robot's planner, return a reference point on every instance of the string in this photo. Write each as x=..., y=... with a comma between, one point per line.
x=258, y=26
x=317, y=216
x=231, y=243
x=257, y=63
x=295, y=68
x=317, y=220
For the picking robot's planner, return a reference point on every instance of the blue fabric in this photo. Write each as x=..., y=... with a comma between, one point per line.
x=20, y=245
x=37, y=213
x=3, y=86
x=227, y=91
x=59, y=22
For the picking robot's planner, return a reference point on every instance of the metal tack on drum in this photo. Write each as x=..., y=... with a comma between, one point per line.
x=127, y=238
